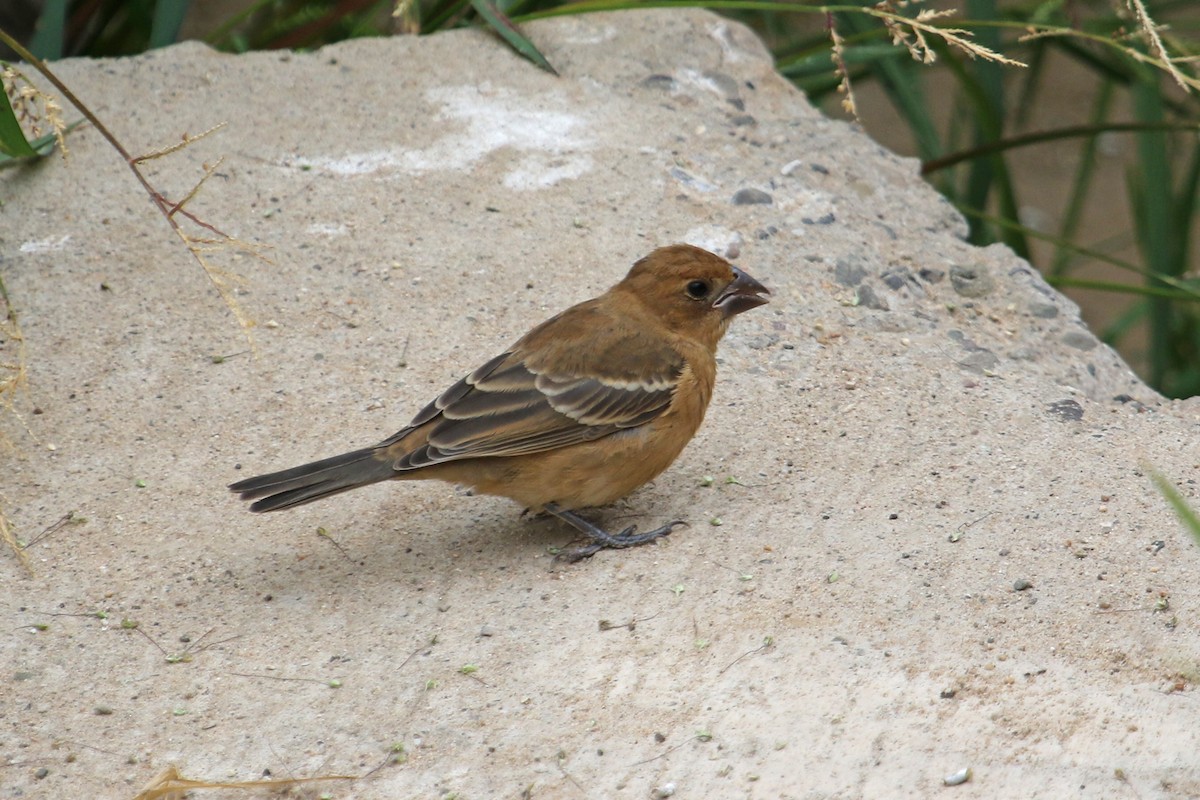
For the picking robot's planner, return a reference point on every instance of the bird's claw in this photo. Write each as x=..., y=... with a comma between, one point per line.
x=601, y=539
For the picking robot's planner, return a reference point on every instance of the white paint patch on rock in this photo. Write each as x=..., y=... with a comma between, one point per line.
x=354, y=163
x=489, y=119
x=724, y=37
x=330, y=229
x=598, y=35
x=715, y=239
x=45, y=245
x=536, y=172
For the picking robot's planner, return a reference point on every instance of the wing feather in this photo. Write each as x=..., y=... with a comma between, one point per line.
x=565, y=382
x=505, y=408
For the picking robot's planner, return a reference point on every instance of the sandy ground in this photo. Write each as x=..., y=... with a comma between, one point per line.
x=922, y=537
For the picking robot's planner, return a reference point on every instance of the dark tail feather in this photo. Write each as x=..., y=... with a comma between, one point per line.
x=308, y=482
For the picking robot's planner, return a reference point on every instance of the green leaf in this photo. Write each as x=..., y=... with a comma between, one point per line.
x=517, y=40
x=12, y=139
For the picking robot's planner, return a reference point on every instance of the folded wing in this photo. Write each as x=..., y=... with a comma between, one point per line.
x=508, y=407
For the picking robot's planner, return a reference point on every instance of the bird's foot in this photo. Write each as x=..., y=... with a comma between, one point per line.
x=601, y=539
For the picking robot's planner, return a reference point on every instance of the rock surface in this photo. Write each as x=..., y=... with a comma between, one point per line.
x=922, y=535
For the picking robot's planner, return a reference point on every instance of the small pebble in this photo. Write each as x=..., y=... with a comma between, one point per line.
x=666, y=790
x=958, y=778
x=1080, y=340
x=751, y=197
x=971, y=280
x=1043, y=309
x=1020, y=585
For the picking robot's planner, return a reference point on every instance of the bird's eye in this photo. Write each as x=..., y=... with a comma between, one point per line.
x=697, y=290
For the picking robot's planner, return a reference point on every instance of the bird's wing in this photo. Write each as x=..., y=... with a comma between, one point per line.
x=517, y=404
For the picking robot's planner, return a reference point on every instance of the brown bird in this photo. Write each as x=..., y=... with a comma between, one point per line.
x=582, y=410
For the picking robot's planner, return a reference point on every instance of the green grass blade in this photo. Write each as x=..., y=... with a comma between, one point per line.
x=981, y=181
x=226, y=35
x=1125, y=322
x=988, y=81
x=1150, y=189
x=1082, y=182
x=168, y=18
x=1042, y=137
x=1185, y=512
x=1131, y=289
x=50, y=31
x=1031, y=84
x=819, y=61
x=1178, y=287
x=901, y=79
x=509, y=33
x=1184, y=205
x=441, y=14
x=42, y=146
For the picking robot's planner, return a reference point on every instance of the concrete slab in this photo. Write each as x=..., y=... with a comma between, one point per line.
x=910, y=431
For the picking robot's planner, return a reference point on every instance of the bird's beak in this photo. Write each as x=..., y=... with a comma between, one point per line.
x=743, y=294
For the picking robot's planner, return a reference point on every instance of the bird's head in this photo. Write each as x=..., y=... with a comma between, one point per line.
x=692, y=291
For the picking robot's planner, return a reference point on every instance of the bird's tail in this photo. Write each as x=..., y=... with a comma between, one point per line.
x=308, y=482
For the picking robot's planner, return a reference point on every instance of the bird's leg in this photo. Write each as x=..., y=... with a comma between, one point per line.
x=602, y=539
